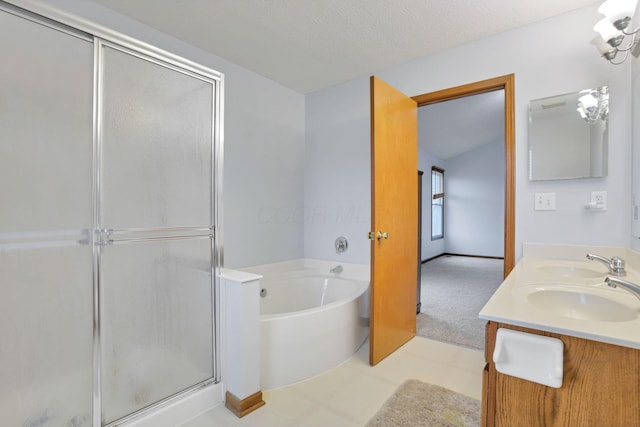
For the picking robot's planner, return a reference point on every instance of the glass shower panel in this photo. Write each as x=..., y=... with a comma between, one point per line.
x=46, y=292
x=46, y=84
x=46, y=329
x=157, y=145
x=157, y=323
x=156, y=207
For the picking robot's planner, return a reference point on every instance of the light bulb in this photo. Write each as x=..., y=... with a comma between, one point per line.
x=602, y=46
x=616, y=10
x=607, y=31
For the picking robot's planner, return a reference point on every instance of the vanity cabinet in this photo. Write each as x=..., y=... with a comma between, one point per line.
x=601, y=387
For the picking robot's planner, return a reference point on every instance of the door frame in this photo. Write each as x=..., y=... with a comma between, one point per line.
x=507, y=83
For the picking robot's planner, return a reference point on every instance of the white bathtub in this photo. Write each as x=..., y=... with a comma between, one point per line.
x=311, y=320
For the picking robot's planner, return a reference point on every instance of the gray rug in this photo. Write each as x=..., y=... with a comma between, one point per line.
x=454, y=290
x=415, y=404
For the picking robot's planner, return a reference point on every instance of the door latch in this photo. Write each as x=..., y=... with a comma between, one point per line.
x=378, y=235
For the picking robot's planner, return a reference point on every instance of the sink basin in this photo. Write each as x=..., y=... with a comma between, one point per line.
x=582, y=303
x=572, y=271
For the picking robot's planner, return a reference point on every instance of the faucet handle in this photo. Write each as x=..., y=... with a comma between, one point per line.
x=617, y=261
x=617, y=264
x=341, y=245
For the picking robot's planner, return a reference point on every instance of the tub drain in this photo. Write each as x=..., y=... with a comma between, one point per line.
x=263, y=292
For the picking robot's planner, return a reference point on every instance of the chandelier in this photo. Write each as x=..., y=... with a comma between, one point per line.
x=613, y=33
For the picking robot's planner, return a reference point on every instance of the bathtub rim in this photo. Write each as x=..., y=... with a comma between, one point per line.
x=290, y=267
x=363, y=287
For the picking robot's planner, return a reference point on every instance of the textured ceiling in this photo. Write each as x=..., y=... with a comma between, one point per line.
x=308, y=45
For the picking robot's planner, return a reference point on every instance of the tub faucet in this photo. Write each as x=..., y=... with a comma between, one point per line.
x=615, y=264
x=337, y=269
x=626, y=285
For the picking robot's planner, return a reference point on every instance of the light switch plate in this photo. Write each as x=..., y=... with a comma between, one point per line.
x=545, y=202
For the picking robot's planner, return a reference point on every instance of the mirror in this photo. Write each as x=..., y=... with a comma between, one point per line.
x=568, y=135
x=635, y=150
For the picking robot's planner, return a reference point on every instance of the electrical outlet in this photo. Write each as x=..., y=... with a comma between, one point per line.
x=599, y=200
x=545, y=202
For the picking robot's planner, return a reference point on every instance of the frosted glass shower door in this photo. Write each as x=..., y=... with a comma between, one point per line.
x=46, y=291
x=157, y=323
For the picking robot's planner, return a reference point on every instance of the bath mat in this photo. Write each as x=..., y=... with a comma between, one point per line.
x=416, y=403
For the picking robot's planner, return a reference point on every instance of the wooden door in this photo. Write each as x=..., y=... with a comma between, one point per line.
x=394, y=211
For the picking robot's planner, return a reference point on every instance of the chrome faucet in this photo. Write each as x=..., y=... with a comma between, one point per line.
x=337, y=269
x=626, y=285
x=615, y=264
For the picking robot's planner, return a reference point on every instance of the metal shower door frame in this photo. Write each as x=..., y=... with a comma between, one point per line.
x=102, y=237
x=58, y=20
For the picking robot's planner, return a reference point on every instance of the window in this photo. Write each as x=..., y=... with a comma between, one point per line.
x=437, y=203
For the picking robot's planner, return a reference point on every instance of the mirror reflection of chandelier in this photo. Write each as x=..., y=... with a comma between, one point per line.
x=613, y=30
x=593, y=104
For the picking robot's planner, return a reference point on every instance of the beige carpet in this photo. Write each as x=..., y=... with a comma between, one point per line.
x=416, y=404
x=454, y=290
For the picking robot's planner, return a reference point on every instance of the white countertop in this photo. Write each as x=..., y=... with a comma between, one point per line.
x=512, y=302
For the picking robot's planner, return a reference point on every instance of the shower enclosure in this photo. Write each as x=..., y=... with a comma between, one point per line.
x=108, y=155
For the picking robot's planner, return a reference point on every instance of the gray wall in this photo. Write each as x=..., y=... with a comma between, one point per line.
x=474, y=202
x=551, y=57
x=337, y=190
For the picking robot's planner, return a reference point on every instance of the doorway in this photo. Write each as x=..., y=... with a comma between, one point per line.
x=505, y=83
x=466, y=137
x=381, y=307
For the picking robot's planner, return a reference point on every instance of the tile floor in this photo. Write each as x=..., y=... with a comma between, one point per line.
x=352, y=393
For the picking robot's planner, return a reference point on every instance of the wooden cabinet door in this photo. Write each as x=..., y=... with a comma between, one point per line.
x=601, y=386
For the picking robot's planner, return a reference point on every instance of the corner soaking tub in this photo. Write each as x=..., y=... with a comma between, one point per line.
x=311, y=321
